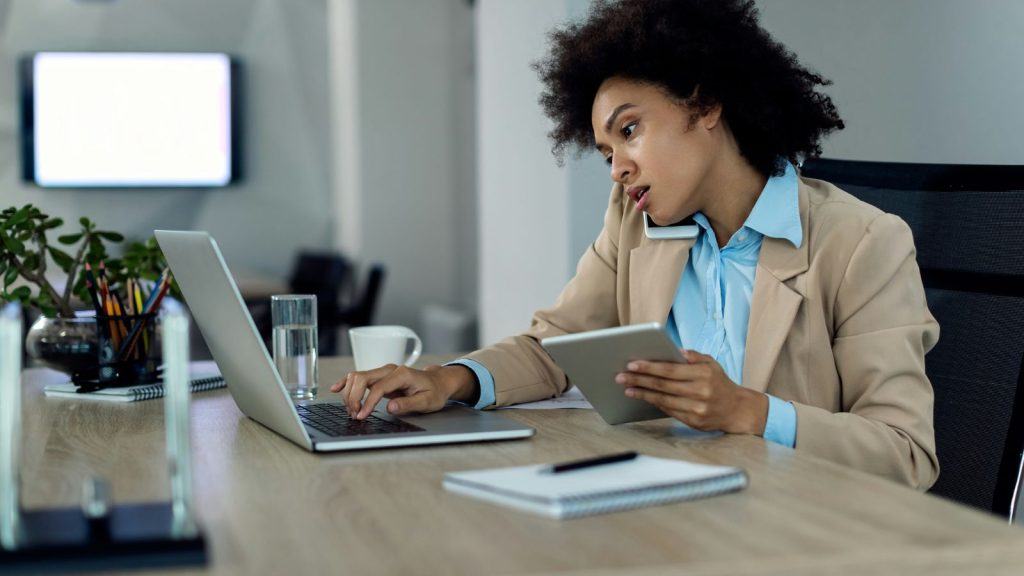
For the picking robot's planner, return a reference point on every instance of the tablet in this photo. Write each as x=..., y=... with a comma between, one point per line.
x=592, y=359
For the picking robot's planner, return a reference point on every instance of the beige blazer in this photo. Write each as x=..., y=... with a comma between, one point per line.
x=839, y=327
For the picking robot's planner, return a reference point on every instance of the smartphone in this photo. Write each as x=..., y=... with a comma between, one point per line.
x=685, y=228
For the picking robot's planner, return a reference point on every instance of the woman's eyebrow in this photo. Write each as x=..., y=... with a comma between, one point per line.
x=615, y=114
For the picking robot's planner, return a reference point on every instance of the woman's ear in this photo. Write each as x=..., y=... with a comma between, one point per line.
x=712, y=117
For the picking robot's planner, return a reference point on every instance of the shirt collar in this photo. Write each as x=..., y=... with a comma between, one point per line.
x=776, y=213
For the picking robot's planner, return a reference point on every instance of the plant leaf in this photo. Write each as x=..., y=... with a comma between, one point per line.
x=84, y=222
x=96, y=248
x=45, y=304
x=80, y=290
x=20, y=216
x=10, y=276
x=62, y=258
x=111, y=236
x=69, y=238
x=22, y=293
x=13, y=245
x=51, y=224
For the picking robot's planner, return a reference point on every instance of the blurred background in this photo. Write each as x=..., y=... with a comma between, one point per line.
x=406, y=133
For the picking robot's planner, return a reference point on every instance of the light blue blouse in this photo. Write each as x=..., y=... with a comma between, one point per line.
x=711, y=309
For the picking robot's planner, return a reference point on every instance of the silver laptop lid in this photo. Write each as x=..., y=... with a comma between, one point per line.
x=225, y=323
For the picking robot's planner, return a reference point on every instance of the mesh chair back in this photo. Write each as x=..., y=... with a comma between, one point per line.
x=362, y=311
x=968, y=225
x=325, y=274
x=322, y=273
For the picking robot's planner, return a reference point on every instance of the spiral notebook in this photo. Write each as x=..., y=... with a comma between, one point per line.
x=204, y=376
x=645, y=481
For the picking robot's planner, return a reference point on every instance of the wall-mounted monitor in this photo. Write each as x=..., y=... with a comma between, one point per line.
x=136, y=120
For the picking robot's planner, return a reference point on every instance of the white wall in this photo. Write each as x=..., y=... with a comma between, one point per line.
x=523, y=195
x=915, y=80
x=402, y=86
x=590, y=183
x=283, y=202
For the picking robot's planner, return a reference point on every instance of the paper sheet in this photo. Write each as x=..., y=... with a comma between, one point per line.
x=572, y=398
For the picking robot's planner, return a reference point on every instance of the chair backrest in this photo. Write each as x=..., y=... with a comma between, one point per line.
x=968, y=225
x=362, y=311
x=322, y=273
x=325, y=274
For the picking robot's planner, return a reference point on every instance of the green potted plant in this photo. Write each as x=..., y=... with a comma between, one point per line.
x=62, y=338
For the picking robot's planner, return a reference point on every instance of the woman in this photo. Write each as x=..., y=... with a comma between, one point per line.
x=801, y=308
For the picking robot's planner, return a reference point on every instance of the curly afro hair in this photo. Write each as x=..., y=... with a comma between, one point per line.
x=702, y=53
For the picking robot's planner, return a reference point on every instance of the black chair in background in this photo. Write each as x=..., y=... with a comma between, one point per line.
x=360, y=311
x=326, y=275
x=363, y=309
x=968, y=225
x=329, y=276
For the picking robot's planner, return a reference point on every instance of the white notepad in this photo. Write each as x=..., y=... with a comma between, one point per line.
x=645, y=481
x=204, y=376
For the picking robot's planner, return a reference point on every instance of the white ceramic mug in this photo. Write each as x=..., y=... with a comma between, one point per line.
x=375, y=346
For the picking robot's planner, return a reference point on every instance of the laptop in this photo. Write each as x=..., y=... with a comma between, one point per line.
x=318, y=426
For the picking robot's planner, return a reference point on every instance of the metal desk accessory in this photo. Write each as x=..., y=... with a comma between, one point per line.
x=99, y=536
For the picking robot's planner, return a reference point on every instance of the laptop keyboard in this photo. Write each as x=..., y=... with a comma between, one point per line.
x=334, y=420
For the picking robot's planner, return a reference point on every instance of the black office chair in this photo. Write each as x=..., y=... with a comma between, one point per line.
x=362, y=311
x=327, y=275
x=968, y=225
x=323, y=273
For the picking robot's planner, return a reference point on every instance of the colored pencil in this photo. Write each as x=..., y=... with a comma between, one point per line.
x=156, y=290
x=103, y=275
x=103, y=308
x=108, y=306
x=137, y=297
x=94, y=286
x=92, y=294
x=153, y=302
x=164, y=286
x=119, y=312
x=129, y=300
x=129, y=309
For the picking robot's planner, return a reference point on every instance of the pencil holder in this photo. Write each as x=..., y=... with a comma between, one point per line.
x=128, y=352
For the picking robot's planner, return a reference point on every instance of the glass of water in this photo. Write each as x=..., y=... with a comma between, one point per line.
x=295, y=342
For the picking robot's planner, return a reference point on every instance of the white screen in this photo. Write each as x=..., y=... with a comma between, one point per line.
x=126, y=119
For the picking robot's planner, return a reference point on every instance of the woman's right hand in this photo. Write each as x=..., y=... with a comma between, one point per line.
x=410, y=389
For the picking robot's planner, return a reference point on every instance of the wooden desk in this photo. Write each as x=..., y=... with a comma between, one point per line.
x=269, y=507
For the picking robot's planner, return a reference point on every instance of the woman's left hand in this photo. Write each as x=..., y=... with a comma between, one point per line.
x=697, y=393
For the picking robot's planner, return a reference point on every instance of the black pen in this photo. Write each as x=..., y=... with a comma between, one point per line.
x=590, y=462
